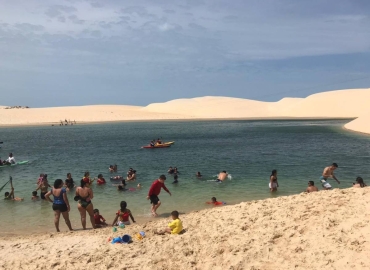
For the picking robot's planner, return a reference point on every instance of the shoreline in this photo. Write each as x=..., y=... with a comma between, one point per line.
x=276, y=233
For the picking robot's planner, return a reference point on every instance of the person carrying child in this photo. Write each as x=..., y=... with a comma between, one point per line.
x=99, y=220
x=174, y=227
x=123, y=215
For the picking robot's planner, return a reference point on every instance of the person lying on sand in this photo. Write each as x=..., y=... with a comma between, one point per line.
x=328, y=173
x=359, y=183
x=10, y=195
x=174, y=227
x=215, y=202
x=311, y=187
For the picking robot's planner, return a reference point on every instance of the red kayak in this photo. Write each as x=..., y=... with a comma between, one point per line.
x=156, y=146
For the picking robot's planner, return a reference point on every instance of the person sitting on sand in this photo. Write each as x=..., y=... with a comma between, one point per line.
x=215, y=202
x=99, y=220
x=221, y=176
x=101, y=180
x=174, y=227
x=198, y=175
x=154, y=191
x=111, y=169
x=359, y=183
x=35, y=197
x=311, y=187
x=69, y=183
x=328, y=173
x=123, y=215
x=170, y=170
x=10, y=195
x=273, y=185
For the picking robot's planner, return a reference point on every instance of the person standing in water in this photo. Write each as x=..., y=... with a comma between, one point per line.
x=43, y=186
x=328, y=173
x=154, y=191
x=273, y=185
x=84, y=195
x=60, y=203
x=221, y=176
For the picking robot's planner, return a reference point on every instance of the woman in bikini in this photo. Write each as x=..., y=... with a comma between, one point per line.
x=84, y=195
x=60, y=203
x=44, y=187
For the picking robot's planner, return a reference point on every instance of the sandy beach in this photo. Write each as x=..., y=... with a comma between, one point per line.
x=322, y=230
x=351, y=103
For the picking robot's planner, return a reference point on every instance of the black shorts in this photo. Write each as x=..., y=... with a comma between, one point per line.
x=154, y=199
x=60, y=207
x=43, y=195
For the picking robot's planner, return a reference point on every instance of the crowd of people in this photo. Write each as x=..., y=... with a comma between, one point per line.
x=84, y=195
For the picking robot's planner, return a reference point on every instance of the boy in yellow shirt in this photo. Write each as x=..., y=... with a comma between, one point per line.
x=175, y=226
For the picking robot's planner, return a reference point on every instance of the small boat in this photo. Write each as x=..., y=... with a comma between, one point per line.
x=166, y=143
x=156, y=146
x=17, y=163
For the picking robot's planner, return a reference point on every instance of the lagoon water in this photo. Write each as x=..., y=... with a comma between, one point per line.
x=248, y=150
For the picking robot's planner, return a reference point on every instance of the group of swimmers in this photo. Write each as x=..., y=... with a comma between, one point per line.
x=327, y=173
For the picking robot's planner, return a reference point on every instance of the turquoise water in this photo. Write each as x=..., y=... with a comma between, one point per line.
x=248, y=150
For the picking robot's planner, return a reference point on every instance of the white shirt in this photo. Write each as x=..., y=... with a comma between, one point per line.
x=11, y=160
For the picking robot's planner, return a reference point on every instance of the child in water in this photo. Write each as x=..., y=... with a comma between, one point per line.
x=35, y=197
x=215, y=202
x=175, y=178
x=99, y=220
x=174, y=227
x=100, y=180
x=123, y=215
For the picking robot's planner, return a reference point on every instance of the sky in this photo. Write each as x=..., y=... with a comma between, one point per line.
x=137, y=52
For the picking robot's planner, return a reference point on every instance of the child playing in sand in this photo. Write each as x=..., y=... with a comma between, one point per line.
x=215, y=202
x=123, y=215
x=35, y=197
x=174, y=227
x=99, y=220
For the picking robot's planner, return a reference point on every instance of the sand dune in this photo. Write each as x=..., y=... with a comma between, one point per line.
x=322, y=230
x=350, y=103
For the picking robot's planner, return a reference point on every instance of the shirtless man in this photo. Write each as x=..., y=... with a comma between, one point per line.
x=221, y=176
x=328, y=173
x=311, y=187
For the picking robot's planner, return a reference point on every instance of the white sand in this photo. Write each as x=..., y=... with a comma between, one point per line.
x=334, y=104
x=322, y=230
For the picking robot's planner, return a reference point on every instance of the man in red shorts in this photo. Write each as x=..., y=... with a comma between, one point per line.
x=154, y=191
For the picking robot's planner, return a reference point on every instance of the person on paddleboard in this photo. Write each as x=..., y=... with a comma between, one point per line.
x=10, y=160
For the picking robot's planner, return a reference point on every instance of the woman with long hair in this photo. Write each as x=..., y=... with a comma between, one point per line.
x=84, y=195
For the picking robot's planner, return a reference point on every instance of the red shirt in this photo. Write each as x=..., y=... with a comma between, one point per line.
x=155, y=189
x=101, y=181
x=98, y=219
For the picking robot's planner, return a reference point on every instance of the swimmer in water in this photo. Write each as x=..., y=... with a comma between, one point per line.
x=175, y=178
x=139, y=185
x=215, y=202
x=10, y=195
x=170, y=170
x=221, y=176
x=198, y=175
x=35, y=197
